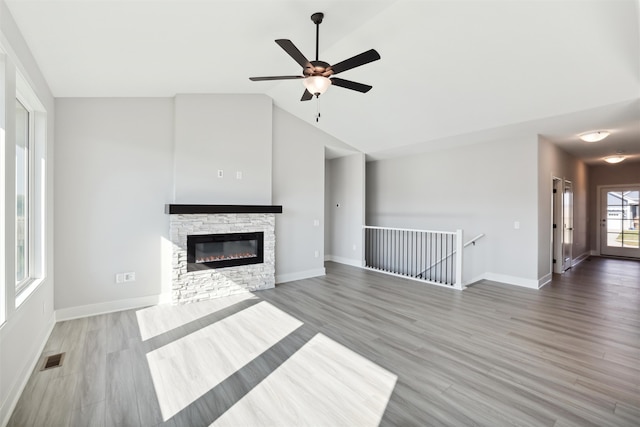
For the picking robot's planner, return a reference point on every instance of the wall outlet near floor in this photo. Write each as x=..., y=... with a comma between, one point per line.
x=220, y=173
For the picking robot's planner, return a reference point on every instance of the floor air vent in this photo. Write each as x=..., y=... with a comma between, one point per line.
x=53, y=361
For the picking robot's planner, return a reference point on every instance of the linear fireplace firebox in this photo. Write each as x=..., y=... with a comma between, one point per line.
x=207, y=251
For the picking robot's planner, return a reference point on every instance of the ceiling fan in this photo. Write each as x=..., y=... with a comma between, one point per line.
x=318, y=75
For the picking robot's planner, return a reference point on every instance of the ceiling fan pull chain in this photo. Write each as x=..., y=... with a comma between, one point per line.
x=318, y=104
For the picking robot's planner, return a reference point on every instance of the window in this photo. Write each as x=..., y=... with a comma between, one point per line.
x=23, y=196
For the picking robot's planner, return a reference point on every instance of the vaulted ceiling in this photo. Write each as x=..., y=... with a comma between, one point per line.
x=452, y=72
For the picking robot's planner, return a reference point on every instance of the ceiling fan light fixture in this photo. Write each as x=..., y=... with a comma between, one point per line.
x=594, y=136
x=614, y=159
x=316, y=85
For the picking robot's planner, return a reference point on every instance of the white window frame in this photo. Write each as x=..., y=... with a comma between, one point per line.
x=29, y=217
x=37, y=188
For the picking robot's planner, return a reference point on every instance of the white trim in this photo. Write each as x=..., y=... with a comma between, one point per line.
x=17, y=388
x=299, y=275
x=408, y=229
x=474, y=280
x=415, y=279
x=580, y=258
x=545, y=280
x=512, y=280
x=110, y=307
x=343, y=260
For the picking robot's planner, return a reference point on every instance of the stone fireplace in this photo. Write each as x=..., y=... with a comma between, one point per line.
x=221, y=250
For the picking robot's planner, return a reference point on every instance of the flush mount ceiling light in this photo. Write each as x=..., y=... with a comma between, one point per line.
x=615, y=159
x=594, y=136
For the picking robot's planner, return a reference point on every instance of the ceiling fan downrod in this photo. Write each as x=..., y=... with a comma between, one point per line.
x=317, y=19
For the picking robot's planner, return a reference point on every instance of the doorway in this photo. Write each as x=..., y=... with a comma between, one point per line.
x=567, y=225
x=562, y=231
x=556, y=235
x=619, y=217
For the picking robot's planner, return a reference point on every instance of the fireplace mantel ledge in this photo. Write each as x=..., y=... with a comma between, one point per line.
x=222, y=209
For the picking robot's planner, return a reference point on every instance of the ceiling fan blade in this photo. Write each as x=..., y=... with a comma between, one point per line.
x=293, y=52
x=348, y=84
x=356, y=61
x=306, y=96
x=259, y=79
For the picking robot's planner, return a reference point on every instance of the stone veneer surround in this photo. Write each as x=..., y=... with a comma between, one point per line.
x=201, y=285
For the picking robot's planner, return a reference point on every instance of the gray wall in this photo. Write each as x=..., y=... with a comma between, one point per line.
x=345, y=207
x=482, y=188
x=607, y=174
x=117, y=159
x=114, y=177
x=554, y=162
x=298, y=185
x=231, y=133
x=23, y=329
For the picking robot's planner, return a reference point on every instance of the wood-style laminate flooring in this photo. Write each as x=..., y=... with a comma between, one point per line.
x=357, y=348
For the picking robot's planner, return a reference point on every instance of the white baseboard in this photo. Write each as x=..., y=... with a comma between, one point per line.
x=346, y=261
x=545, y=280
x=299, y=275
x=16, y=390
x=512, y=280
x=110, y=307
x=474, y=280
x=580, y=258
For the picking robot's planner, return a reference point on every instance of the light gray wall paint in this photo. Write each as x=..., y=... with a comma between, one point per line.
x=231, y=133
x=606, y=174
x=554, y=162
x=26, y=328
x=116, y=174
x=345, y=198
x=298, y=185
x=114, y=177
x=482, y=188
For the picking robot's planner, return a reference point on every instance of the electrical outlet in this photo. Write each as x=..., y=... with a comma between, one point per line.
x=316, y=223
x=238, y=174
x=130, y=277
x=220, y=173
x=317, y=254
x=354, y=247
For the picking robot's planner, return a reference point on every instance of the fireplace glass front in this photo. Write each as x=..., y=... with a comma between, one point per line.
x=224, y=250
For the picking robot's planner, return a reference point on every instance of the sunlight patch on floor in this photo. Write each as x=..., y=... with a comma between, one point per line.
x=323, y=383
x=187, y=368
x=160, y=319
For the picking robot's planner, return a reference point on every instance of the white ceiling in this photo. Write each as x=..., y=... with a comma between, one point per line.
x=452, y=72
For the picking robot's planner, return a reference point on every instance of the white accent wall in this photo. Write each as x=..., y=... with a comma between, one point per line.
x=482, y=188
x=26, y=327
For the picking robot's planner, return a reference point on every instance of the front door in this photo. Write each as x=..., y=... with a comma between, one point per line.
x=619, y=218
